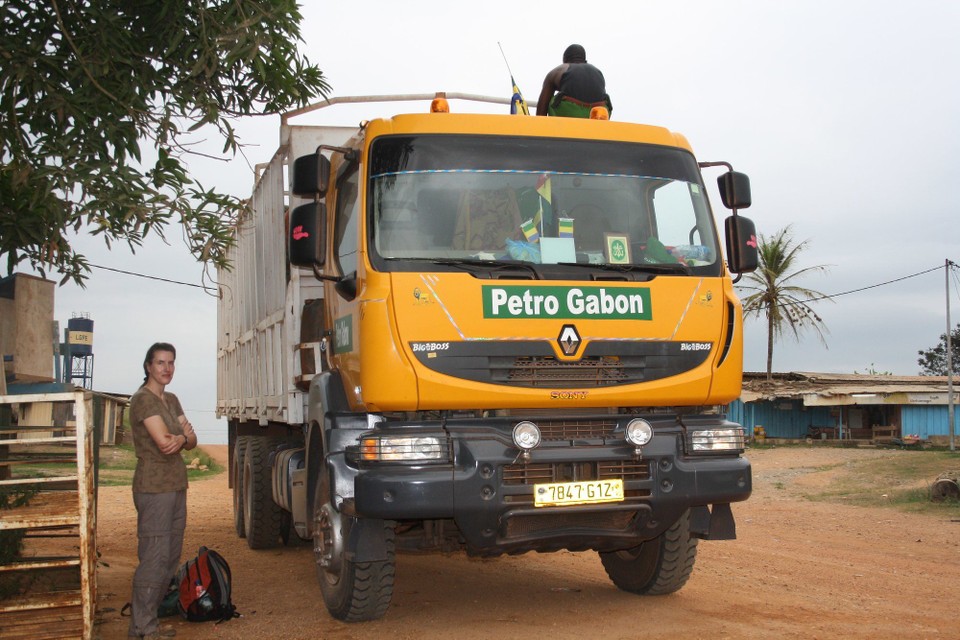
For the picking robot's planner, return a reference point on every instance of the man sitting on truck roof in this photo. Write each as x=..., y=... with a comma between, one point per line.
x=573, y=88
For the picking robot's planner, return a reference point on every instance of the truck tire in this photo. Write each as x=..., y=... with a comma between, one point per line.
x=236, y=476
x=352, y=591
x=262, y=516
x=656, y=567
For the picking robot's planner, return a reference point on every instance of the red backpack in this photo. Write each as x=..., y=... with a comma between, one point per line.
x=205, y=588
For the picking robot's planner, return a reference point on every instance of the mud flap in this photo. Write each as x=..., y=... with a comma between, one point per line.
x=700, y=522
x=722, y=525
x=716, y=525
x=366, y=542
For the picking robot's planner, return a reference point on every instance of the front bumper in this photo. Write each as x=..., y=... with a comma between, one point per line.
x=488, y=490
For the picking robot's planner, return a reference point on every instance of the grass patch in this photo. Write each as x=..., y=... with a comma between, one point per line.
x=201, y=459
x=763, y=445
x=117, y=464
x=900, y=481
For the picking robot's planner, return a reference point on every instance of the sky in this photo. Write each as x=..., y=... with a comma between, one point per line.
x=843, y=114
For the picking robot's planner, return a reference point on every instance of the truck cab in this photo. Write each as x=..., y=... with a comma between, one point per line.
x=529, y=333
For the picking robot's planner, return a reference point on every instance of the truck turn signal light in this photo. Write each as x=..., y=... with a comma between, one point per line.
x=599, y=113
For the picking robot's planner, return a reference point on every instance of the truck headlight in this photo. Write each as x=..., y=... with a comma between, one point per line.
x=403, y=449
x=526, y=435
x=638, y=432
x=715, y=440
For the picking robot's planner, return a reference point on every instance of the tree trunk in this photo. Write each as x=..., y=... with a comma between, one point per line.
x=769, y=346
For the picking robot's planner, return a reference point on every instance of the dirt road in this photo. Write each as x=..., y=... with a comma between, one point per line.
x=799, y=569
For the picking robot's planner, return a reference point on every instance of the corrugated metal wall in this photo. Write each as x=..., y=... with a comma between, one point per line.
x=926, y=420
x=790, y=419
x=780, y=419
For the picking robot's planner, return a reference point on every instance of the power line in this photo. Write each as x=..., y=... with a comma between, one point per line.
x=148, y=277
x=844, y=293
x=874, y=286
x=823, y=297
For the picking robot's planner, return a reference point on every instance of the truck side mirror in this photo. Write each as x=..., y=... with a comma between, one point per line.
x=306, y=235
x=734, y=190
x=311, y=175
x=742, y=253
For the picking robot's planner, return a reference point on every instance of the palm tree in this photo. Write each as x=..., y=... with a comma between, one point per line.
x=786, y=306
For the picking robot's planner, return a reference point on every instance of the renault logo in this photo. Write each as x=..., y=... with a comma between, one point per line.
x=569, y=340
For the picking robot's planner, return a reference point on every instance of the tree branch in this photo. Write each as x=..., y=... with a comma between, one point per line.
x=80, y=59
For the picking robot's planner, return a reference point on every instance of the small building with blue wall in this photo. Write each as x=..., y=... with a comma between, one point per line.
x=799, y=405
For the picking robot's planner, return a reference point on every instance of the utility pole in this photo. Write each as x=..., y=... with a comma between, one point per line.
x=950, y=421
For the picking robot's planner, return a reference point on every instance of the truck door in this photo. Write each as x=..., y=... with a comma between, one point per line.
x=341, y=296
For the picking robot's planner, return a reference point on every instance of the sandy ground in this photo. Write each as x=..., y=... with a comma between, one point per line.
x=799, y=569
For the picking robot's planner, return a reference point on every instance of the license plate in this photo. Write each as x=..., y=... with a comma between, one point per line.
x=555, y=494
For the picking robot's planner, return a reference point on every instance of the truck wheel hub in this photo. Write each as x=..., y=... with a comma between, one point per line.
x=328, y=539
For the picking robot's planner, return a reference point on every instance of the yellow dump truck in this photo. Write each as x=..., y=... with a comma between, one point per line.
x=489, y=332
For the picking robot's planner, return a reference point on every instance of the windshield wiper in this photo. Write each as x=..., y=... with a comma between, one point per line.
x=477, y=265
x=631, y=268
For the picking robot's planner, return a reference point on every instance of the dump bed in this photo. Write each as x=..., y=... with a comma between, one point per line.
x=263, y=364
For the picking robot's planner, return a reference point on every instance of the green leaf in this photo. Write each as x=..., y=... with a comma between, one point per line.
x=79, y=119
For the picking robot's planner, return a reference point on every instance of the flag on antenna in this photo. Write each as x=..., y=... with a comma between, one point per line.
x=517, y=103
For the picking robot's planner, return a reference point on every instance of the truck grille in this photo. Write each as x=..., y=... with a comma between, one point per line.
x=539, y=371
x=530, y=474
x=535, y=364
x=559, y=430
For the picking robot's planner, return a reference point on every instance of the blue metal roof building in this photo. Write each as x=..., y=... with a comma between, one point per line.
x=798, y=405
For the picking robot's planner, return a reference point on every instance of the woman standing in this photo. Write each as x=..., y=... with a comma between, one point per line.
x=160, y=432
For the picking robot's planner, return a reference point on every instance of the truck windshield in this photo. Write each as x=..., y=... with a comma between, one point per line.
x=572, y=203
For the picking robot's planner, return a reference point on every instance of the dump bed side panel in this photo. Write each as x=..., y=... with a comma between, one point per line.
x=261, y=297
